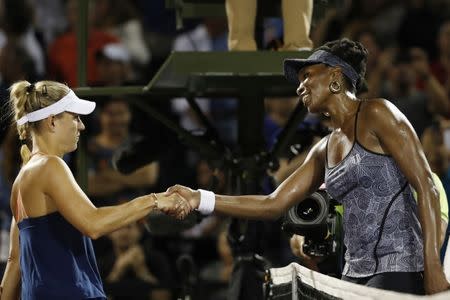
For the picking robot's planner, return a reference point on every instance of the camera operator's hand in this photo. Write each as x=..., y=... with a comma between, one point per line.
x=311, y=262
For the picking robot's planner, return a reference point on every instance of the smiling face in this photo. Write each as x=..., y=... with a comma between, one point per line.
x=314, y=86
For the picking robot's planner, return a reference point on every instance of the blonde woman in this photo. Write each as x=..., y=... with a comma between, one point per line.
x=53, y=217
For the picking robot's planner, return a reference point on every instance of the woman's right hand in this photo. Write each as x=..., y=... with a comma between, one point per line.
x=173, y=204
x=192, y=196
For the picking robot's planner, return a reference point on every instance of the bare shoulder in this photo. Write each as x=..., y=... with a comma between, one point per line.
x=44, y=169
x=382, y=111
x=53, y=163
x=319, y=149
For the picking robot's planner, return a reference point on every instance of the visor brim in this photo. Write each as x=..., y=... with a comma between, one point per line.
x=293, y=65
x=81, y=107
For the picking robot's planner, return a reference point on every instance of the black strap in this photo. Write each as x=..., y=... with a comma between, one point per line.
x=356, y=121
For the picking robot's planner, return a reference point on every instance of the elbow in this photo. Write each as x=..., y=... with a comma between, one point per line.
x=92, y=234
x=91, y=231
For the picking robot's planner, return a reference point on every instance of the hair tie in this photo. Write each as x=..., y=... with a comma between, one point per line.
x=44, y=90
x=30, y=88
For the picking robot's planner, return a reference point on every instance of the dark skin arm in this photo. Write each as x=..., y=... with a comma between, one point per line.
x=303, y=182
x=398, y=139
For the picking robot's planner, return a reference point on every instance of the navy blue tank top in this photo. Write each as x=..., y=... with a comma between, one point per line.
x=57, y=261
x=382, y=232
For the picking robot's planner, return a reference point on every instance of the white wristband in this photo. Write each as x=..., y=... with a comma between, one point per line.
x=207, y=202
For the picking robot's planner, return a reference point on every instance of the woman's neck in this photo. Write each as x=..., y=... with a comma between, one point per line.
x=342, y=108
x=44, y=147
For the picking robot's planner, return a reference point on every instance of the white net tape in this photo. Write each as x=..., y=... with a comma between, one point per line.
x=343, y=289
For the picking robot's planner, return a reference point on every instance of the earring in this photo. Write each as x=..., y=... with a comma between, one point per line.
x=335, y=87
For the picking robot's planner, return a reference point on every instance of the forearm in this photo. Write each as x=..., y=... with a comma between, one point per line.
x=429, y=214
x=110, y=218
x=11, y=281
x=248, y=206
x=443, y=232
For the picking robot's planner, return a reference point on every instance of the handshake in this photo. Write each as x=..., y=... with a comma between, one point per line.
x=178, y=201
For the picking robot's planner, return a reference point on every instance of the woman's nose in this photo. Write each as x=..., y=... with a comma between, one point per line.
x=300, y=89
x=81, y=125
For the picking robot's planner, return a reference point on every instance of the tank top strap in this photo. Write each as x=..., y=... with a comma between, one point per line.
x=356, y=121
x=20, y=210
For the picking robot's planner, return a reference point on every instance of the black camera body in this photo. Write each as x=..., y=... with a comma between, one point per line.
x=316, y=219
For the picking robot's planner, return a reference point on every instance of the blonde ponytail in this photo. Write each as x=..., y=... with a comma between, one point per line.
x=24, y=98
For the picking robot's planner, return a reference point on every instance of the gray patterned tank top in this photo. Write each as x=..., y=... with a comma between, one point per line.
x=382, y=230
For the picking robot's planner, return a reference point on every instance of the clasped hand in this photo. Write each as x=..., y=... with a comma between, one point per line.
x=178, y=201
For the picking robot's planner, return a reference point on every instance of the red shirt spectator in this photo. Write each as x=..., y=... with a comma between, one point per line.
x=62, y=56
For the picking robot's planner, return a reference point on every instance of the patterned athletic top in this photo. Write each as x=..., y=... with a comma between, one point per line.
x=382, y=230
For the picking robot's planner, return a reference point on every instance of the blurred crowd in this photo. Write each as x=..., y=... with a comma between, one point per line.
x=409, y=64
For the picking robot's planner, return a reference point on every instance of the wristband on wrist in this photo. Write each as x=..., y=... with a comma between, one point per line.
x=207, y=202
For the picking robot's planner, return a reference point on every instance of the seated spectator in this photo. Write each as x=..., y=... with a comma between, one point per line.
x=120, y=18
x=62, y=53
x=113, y=68
x=218, y=273
x=133, y=271
x=106, y=185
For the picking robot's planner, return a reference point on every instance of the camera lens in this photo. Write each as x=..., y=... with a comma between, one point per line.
x=308, y=210
x=312, y=210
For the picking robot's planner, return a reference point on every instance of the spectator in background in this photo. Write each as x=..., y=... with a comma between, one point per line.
x=395, y=78
x=113, y=66
x=210, y=35
x=12, y=54
x=17, y=28
x=120, y=18
x=62, y=53
x=440, y=67
x=133, y=269
x=218, y=272
x=49, y=19
x=9, y=167
x=419, y=26
x=106, y=185
x=370, y=40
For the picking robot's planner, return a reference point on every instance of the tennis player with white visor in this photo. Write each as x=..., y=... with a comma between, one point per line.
x=52, y=215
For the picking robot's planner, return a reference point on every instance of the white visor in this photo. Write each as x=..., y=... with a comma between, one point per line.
x=70, y=103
